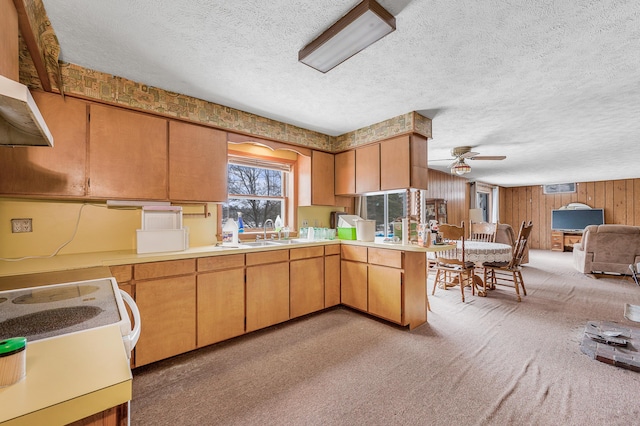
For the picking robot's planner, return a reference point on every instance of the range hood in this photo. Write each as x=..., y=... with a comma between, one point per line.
x=21, y=123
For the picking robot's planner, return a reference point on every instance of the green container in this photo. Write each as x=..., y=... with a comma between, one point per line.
x=347, y=233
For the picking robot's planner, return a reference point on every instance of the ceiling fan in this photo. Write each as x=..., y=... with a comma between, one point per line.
x=462, y=153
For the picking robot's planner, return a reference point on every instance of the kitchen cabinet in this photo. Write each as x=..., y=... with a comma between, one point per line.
x=267, y=289
x=386, y=283
x=345, y=172
x=403, y=163
x=316, y=176
x=58, y=171
x=306, y=280
x=197, y=163
x=127, y=154
x=436, y=209
x=331, y=275
x=353, y=277
x=368, y=168
x=167, y=304
x=220, y=298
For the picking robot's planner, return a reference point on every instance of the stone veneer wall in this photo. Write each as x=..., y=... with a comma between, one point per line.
x=91, y=84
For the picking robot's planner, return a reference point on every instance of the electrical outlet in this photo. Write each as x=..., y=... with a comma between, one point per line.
x=21, y=225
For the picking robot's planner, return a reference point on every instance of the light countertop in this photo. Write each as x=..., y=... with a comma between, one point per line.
x=123, y=257
x=68, y=378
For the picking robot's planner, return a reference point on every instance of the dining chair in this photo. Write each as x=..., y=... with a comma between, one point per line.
x=451, y=266
x=503, y=273
x=483, y=231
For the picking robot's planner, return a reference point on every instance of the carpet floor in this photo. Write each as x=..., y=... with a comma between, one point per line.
x=489, y=361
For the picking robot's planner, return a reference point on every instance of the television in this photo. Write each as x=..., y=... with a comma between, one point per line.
x=569, y=220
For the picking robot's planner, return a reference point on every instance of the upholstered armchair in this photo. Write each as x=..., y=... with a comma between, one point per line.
x=607, y=248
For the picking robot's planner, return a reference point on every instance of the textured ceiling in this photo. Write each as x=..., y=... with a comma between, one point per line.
x=553, y=85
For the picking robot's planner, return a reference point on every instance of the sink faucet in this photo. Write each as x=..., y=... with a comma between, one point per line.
x=265, y=227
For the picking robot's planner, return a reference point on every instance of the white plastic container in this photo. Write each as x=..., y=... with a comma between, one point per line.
x=230, y=233
x=365, y=230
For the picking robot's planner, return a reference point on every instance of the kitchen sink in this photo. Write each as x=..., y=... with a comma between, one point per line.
x=259, y=244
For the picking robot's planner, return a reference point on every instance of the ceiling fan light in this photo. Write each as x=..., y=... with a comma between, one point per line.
x=460, y=168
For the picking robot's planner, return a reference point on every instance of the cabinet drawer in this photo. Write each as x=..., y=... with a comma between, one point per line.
x=164, y=269
x=306, y=252
x=385, y=257
x=122, y=273
x=267, y=257
x=216, y=263
x=355, y=253
x=332, y=249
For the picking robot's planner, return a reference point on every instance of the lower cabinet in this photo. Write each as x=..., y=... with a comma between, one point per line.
x=332, y=279
x=385, y=292
x=306, y=280
x=168, y=314
x=267, y=295
x=220, y=306
x=353, y=291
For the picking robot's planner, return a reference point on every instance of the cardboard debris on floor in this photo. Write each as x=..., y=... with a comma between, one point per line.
x=612, y=343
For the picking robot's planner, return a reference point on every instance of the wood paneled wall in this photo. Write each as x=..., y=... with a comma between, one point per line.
x=620, y=200
x=455, y=190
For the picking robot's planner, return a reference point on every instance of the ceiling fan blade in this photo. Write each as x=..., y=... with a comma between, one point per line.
x=488, y=157
x=440, y=159
x=469, y=154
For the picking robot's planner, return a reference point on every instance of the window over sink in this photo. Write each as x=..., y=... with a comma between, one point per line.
x=258, y=188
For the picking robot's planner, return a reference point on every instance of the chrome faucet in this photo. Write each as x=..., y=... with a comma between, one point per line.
x=265, y=228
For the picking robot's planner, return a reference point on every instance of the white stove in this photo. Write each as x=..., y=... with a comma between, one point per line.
x=52, y=310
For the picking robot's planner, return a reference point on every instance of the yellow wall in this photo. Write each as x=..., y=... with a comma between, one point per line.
x=317, y=216
x=99, y=229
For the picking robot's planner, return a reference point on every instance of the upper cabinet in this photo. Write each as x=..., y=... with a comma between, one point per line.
x=197, y=163
x=315, y=179
x=127, y=154
x=57, y=171
x=403, y=163
x=368, y=168
x=397, y=163
x=345, y=171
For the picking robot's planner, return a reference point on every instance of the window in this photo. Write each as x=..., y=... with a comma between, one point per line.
x=257, y=189
x=384, y=208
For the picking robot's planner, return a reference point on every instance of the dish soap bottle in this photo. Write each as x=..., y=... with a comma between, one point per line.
x=230, y=233
x=240, y=223
x=278, y=223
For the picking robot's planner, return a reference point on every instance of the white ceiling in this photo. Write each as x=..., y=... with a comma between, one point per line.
x=554, y=85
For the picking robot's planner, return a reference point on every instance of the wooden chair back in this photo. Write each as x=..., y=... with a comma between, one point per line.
x=521, y=244
x=483, y=231
x=452, y=234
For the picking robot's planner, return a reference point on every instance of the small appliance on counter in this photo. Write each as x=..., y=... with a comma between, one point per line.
x=347, y=226
x=162, y=230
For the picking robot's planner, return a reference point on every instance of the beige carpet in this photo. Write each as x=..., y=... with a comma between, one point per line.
x=490, y=361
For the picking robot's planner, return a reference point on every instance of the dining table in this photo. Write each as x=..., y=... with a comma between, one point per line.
x=479, y=252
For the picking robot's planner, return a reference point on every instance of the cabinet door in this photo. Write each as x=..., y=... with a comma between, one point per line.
x=395, y=170
x=197, y=163
x=331, y=280
x=385, y=292
x=368, y=168
x=168, y=315
x=306, y=286
x=127, y=154
x=322, y=178
x=267, y=295
x=419, y=157
x=345, y=170
x=220, y=306
x=353, y=288
x=56, y=171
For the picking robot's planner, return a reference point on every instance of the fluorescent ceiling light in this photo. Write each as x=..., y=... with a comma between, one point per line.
x=365, y=24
